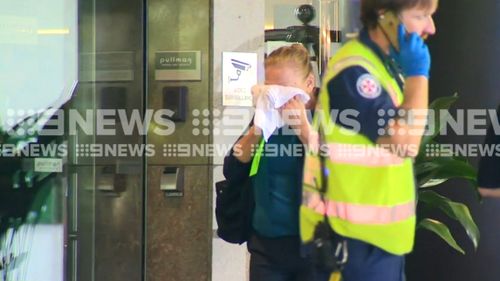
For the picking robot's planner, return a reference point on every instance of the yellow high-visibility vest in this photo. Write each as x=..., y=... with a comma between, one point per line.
x=371, y=192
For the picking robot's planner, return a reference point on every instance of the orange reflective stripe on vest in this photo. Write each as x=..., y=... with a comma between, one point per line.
x=363, y=155
x=355, y=213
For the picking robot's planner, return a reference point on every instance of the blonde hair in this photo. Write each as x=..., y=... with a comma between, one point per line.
x=294, y=55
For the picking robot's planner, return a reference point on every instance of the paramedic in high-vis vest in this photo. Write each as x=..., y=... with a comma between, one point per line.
x=368, y=125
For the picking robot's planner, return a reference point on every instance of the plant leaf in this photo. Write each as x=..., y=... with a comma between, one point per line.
x=433, y=182
x=442, y=231
x=475, y=186
x=424, y=167
x=454, y=210
x=437, y=105
x=441, y=169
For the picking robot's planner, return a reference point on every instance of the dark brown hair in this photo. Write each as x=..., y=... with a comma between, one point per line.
x=370, y=8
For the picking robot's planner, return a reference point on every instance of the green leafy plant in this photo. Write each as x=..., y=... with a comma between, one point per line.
x=432, y=171
x=24, y=202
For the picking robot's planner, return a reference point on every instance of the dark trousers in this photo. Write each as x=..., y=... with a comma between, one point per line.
x=279, y=259
x=369, y=263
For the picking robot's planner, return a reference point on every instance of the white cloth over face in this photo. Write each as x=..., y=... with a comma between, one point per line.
x=267, y=99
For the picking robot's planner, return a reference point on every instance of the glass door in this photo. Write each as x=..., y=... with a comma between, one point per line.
x=106, y=205
x=71, y=197
x=320, y=25
x=79, y=80
x=39, y=74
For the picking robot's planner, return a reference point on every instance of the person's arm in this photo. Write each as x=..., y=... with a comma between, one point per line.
x=407, y=130
x=244, y=148
x=490, y=192
x=415, y=61
x=238, y=162
x=356, y=100
x=234, y=170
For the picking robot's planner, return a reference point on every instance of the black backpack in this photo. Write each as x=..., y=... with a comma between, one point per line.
x=234, y=207
x=235, y=204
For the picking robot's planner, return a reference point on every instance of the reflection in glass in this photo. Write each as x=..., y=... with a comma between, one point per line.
x=38, y=70
x=38, y=47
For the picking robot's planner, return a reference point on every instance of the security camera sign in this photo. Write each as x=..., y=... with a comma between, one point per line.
x=239, y=74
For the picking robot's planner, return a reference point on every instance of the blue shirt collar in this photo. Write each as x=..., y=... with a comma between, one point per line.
x=364, y=37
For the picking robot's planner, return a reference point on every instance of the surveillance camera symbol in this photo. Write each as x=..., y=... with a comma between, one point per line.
x=240, y=66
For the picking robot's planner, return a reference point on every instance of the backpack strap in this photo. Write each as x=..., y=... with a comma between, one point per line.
x=256, y=159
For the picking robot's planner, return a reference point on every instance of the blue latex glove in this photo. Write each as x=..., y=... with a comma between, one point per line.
x=413, y=56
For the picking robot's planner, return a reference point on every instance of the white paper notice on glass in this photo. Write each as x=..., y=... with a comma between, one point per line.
x=239, y=74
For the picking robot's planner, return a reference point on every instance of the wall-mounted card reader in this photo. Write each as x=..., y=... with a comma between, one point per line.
x=172, y=181
x=175, y=99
